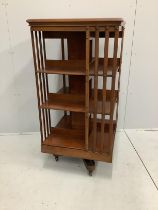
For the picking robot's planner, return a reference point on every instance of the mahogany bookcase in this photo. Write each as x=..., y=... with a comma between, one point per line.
x=90, y=92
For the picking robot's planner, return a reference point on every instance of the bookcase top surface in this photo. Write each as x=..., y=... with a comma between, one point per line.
x=78, y=21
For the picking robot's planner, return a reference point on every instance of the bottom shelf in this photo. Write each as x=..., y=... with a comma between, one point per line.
x=69, y=138
x=64, y=140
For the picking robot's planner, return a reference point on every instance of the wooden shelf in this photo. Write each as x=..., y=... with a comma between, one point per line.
x=100, y=92
x=69, y=138
x=68, y=67
x=77, y=67
x=68, y=102
x=63, y=135
x=72, y=102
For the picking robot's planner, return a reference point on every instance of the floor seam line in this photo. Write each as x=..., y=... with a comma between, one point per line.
x=141, y=160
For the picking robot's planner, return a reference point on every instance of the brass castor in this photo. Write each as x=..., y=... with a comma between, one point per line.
x=90, y=165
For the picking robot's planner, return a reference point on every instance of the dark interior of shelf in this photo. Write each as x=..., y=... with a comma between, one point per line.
x=68, y=34
x=77, y=67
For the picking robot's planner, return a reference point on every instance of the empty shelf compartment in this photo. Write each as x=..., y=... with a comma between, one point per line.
x=69, y=102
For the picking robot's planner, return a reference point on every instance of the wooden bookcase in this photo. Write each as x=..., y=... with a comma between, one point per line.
x=90, y=64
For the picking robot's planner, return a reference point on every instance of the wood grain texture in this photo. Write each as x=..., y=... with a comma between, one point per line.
x=78, y=67
x=69, y=102
x=76, y=22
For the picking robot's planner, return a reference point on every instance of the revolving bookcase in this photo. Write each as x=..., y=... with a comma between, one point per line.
x=90, y=66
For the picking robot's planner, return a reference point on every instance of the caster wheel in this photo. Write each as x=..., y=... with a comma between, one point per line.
x=56, y=157
x=90, y=165
x=90, y=173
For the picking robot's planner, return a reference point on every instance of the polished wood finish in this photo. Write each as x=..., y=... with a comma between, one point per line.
x=90, y=93
x=69, y=138
x=77, y=67
x=68, y=102
x=76, y=22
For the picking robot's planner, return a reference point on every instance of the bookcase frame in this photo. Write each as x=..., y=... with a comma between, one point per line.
x=80, y=133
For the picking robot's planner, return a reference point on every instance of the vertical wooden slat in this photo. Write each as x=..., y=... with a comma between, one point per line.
x=95, y=89
x=47, y=88
x=120, y=72
x=106, y=49
x=63, y=58
x=87, y=90
x=64, y=76
x=46, y=85
x=112, y=101
x=37, y=85
x=40, y=80
x=43, y=81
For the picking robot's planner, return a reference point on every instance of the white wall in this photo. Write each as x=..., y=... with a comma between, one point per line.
x=142, y=101
x=18, y=105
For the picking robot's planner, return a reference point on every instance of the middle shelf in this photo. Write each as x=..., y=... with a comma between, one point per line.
x=68, y=102
x=77, y=67
x=76, y=102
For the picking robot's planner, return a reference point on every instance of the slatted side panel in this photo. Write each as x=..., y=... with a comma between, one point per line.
x=105, y=142
x=45, y=96
x=46, y=79
x=95, y=89
x=87, y=90
x=38, y=47
x=113, y=95
x=105, y=70
x=121, y=51
x=64, y=76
